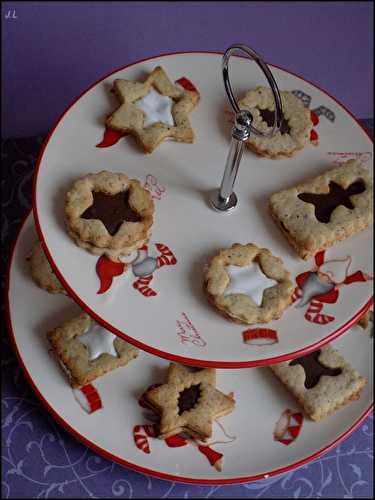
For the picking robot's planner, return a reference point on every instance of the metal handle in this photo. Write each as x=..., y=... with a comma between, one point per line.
x=224, y=199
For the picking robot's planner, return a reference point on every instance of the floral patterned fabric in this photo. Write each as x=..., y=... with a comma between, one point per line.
x=41, y=460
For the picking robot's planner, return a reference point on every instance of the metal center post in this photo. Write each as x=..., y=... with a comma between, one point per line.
x=224, y=199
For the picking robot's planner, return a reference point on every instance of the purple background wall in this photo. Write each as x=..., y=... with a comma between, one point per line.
x=53, y=50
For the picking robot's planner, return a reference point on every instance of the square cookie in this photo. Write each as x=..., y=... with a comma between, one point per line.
x=85, y=350
x=320, y=212
x=321, y=381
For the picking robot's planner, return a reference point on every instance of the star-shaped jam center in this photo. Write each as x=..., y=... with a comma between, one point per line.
x=156, y=108
x=112, y=210
x=268, y=116
x=98, y=340
x=189, y=402
x=326, y=203
x=314, y=369
x=248, y=280
x=188, y=398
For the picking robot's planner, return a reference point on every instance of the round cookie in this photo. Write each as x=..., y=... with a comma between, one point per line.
x=109, y=213
x=248, y=284
x=110, y=253
x=295, y=129
x=41, y=271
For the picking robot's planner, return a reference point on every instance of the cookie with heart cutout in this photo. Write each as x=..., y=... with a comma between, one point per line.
x=295, y=128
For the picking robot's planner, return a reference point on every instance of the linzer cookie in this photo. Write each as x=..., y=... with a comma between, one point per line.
x=321, y=381
x=188, y=402
x=85, y=350
x=153, y=110
x=108, y=213
x=295, y=128
x=41, y=271
x=248, y=284
x=320, y=212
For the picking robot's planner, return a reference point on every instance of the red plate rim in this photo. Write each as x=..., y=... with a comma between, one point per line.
x=125, y=463
x=135, y=342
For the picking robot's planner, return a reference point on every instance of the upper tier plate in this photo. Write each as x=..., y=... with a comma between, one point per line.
x=178, y=323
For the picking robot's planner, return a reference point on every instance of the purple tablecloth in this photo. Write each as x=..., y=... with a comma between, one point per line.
x=52, y=51
x=41, y=460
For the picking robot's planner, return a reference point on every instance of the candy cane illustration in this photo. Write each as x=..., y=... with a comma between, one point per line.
x=88, y=398
x=288, y=427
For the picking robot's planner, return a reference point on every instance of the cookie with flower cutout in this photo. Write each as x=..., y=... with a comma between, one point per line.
x=154, y=110
x=86, y=350
x=295, y=128
x=248, y=284
x=188, y=402
x=41, y=271
x=108, y=213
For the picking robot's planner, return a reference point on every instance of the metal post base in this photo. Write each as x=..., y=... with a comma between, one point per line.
x=223, y=205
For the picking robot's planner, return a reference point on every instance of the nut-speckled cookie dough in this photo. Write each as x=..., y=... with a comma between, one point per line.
x=110, y=253
x=153, y=110
x=189, y=402
x=108, y=213
x=86, y=350
x=295, y=130
x=41, y=271
x=322, y=381
x=317, y=221
x=248, y=284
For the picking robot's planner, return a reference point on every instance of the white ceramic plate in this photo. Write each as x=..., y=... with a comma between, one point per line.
x=260, y=398
x=178, y=323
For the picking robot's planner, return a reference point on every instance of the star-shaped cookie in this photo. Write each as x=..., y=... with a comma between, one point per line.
x=189, y=402
x=131, y=116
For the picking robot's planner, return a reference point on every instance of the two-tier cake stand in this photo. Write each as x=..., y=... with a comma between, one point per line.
x=203, y=203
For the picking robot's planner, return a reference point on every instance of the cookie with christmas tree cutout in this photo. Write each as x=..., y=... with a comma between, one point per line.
x=321, y=381
x=188, y=402
x=108, y=213
x=248, y=284
x=320, y=212
x=295, y=128
x=153, y=110
x=41, y=271
x=86, y=350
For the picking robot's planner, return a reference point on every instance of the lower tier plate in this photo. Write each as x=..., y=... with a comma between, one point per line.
x=260, y=399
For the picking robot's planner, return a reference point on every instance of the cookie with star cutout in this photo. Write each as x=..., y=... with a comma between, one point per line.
x=295, y=128
x=108, y=213
x=86, y=350
x=248, y=284
x=320, y=212
x=188, y=402
x=153, y=110
x=321, y=381
x=41, y=271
